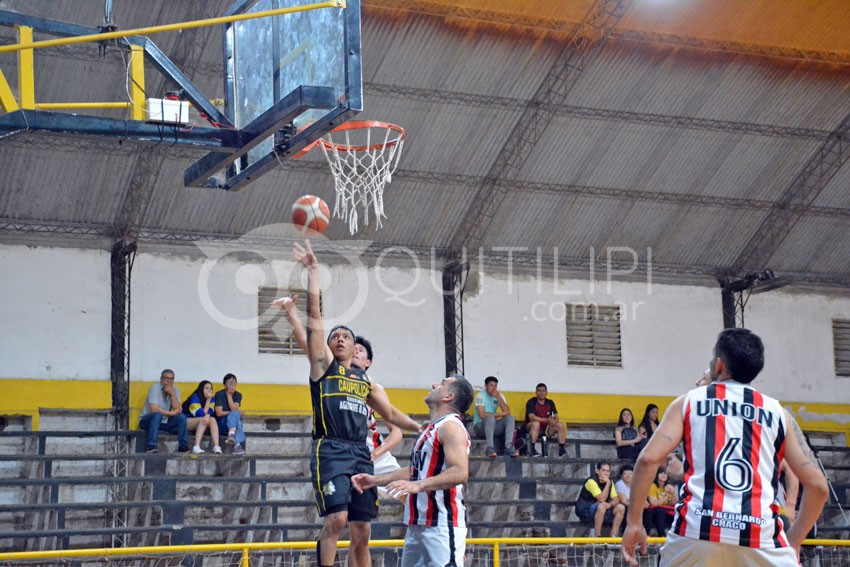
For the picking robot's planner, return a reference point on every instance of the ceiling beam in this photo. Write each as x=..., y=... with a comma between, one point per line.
x=437, y=96
x=522, y=137
x=465, y=182
x=137, y=197
x=795, y=201
x=532, y=261
x=97, y=146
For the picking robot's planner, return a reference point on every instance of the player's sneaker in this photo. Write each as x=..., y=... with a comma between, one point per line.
x=238, y=450
x=490, y=452
x=513, y=452
x=231, y=439
x=562, y=452
x=197, y=450
x=217, y=450
x=534, y=453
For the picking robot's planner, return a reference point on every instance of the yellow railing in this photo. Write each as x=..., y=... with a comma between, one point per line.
x=26, y=45
x=245, y=549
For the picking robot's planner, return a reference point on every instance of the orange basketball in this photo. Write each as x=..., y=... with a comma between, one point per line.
x=310, y=214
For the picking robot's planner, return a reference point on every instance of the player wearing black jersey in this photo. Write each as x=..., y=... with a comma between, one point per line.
x=341, y=398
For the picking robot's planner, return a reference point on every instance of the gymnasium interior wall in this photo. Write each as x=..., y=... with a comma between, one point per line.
x=198, y=317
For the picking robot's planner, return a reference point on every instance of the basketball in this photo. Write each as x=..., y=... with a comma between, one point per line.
x=310, y=214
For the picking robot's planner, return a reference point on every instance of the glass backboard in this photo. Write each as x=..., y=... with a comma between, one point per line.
x=289, y=79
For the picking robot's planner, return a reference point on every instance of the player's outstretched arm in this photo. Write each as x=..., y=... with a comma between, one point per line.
x=380, y=402
x=663, y=442
x=317, y=351
x=364, y=481
x=454, y=441
x=299, y=333
x=803, y=463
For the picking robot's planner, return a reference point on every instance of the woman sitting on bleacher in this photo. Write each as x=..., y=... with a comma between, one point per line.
x=662, y=497
x=629, y=440
x=198, y=409
x=649, y=423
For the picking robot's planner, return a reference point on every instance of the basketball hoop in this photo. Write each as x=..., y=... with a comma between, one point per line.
x=362, y=165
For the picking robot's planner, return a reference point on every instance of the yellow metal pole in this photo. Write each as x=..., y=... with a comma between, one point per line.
x=497, y=561
x=245, y=562
x=26, y=73
x=137, y=78
x=7, y=97
x=25, y=45
x=59, y=105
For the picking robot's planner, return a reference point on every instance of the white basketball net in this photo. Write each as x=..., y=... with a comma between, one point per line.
x=362, y=165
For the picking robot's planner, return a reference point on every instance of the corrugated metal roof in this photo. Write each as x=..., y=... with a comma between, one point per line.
x=679, y=136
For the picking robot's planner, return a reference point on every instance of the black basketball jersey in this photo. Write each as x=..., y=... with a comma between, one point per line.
x=339, y=404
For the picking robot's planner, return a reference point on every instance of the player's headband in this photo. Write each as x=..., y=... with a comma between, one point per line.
x=337, y=328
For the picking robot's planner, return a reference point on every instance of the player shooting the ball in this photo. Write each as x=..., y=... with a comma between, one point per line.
x=341, y=396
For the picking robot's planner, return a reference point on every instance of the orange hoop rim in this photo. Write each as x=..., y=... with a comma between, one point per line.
x=362, y=125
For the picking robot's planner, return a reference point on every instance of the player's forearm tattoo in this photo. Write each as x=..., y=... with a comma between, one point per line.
x=801, y=438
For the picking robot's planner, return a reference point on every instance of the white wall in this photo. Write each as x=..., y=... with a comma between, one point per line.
x=174, y=325
x=54, y=313
x=199, y=316
x=515, y=330
x=520, y=336
x=799, y=354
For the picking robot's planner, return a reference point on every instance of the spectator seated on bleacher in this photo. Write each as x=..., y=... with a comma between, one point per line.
x=163, y=410
x=228, y=402
x=541, y=415
x=624, y=485
x=199, y=416
x=598, y=502
x=492, y=417
x=649, y=423
x=628, y=439
x=659, y=512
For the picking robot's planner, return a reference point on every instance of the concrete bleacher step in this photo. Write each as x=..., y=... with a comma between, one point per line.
x=59, y=487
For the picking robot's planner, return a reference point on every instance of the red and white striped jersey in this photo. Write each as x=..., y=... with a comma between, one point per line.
x=428, y=459
x=734, y=441
x=374, y=439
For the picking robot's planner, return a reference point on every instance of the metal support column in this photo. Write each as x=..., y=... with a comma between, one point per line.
x=123, y=254
x=454, y=282
x=734, y=297
x=126, y=230
x=727, y=298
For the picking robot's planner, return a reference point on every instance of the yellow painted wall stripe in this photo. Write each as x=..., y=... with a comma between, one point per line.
x=7, y=97
x=294, y=400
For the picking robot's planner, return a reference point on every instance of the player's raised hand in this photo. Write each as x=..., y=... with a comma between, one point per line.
x=305, y=255
x=286, y=303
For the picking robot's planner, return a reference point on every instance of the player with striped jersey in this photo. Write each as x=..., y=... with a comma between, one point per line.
x=379, y=446
x=734, y=439
x=439, y=467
